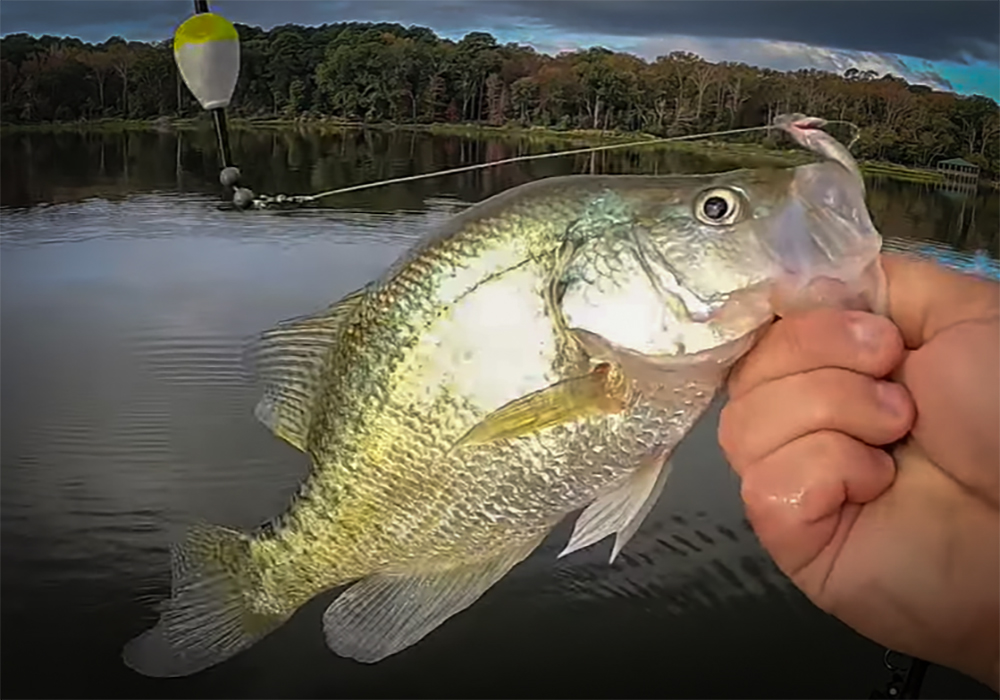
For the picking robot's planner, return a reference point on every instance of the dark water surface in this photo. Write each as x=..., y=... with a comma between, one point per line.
x=126, y=296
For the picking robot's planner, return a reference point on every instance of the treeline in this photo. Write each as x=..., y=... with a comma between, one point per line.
x=388, y=73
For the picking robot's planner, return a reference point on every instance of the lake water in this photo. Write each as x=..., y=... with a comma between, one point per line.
x=126, y=297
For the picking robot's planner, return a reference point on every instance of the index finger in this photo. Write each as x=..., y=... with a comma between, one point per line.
x=803, y=342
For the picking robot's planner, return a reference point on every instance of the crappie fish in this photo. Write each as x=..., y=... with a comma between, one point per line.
x=543, y=353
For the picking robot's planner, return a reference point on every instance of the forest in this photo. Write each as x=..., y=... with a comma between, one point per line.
x=387, y=73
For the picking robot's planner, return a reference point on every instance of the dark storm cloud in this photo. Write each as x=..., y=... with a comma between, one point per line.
x=924, y=29
x=930, y=29
x=144, y=20
x=94, y=21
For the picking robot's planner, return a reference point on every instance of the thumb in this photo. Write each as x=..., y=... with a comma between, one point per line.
x=925, y=298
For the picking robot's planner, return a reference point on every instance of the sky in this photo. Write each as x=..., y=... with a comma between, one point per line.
x=947, y=44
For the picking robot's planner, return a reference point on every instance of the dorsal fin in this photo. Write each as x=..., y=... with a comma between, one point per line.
x=287, y=360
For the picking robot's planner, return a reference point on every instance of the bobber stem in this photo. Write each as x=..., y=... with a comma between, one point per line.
x=219, y=113
x=222, y=132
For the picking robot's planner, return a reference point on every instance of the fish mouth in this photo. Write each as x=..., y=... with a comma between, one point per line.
x=864, y=289
x=823, y=243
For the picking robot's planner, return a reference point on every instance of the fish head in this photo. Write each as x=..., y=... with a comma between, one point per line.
x=686, y=265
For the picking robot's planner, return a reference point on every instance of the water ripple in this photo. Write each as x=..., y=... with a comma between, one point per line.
x=172, y=215
x=129, y=414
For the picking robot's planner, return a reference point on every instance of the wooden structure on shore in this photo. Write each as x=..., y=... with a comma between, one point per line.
x=959, y=170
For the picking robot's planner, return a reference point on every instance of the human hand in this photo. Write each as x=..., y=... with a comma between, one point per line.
x=903, y=548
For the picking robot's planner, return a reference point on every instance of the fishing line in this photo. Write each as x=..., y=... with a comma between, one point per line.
x=263, y=201
x=212, y=76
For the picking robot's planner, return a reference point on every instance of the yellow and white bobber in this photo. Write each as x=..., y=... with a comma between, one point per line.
x=207, y=52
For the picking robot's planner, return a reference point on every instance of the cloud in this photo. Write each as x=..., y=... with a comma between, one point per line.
x=956, y=30
x=949, y=44
x=949, y=30
x=148, y=20
x=791, y=55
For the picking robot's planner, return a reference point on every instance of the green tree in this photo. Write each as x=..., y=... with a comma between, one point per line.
x=379, y=72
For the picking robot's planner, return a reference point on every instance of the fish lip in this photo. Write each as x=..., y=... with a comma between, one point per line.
x=823, y=228
x=823, y=236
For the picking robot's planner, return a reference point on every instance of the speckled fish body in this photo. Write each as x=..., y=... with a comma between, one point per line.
x=544, y=352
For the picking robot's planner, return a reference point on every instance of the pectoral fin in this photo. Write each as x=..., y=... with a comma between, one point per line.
x=603, y=390
x=621, y=511
x=385, y=613
x=288, y=358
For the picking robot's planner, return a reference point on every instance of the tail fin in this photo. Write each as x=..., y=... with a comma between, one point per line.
x=207, y=619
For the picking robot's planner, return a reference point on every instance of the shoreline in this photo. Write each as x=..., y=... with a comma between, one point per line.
x=578, y=138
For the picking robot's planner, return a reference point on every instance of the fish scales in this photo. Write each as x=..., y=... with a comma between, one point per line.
x=490, y=497
x=544, y=352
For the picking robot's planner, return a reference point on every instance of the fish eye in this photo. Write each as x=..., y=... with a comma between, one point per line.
x=718, y=206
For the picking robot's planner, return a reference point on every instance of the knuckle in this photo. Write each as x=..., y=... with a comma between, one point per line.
x=830, y=444
x=809, y=333
x=822, y=391
x=831, y=447
x=766, y=508
x=804, y=494
x=831, y=395
x=830, y=336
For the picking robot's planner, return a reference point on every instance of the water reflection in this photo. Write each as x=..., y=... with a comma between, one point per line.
x=297, y=162
x=125, y=297
x=72, y=166
x=964, y=220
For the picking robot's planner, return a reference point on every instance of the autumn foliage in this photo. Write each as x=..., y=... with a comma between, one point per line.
x=388, y=73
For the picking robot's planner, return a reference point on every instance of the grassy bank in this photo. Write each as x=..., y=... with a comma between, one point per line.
x=901, y=172
x=100, y=125
x=570, y=138
x=583, y=138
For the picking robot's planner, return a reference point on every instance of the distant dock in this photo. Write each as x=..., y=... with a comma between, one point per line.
x=959, y=174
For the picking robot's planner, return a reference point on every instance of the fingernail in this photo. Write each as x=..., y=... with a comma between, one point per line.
x=892, y=397
x=868, y=331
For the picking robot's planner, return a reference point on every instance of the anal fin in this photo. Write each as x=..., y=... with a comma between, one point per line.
x=288, y=359
x=622, y=510
x=387, y=612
